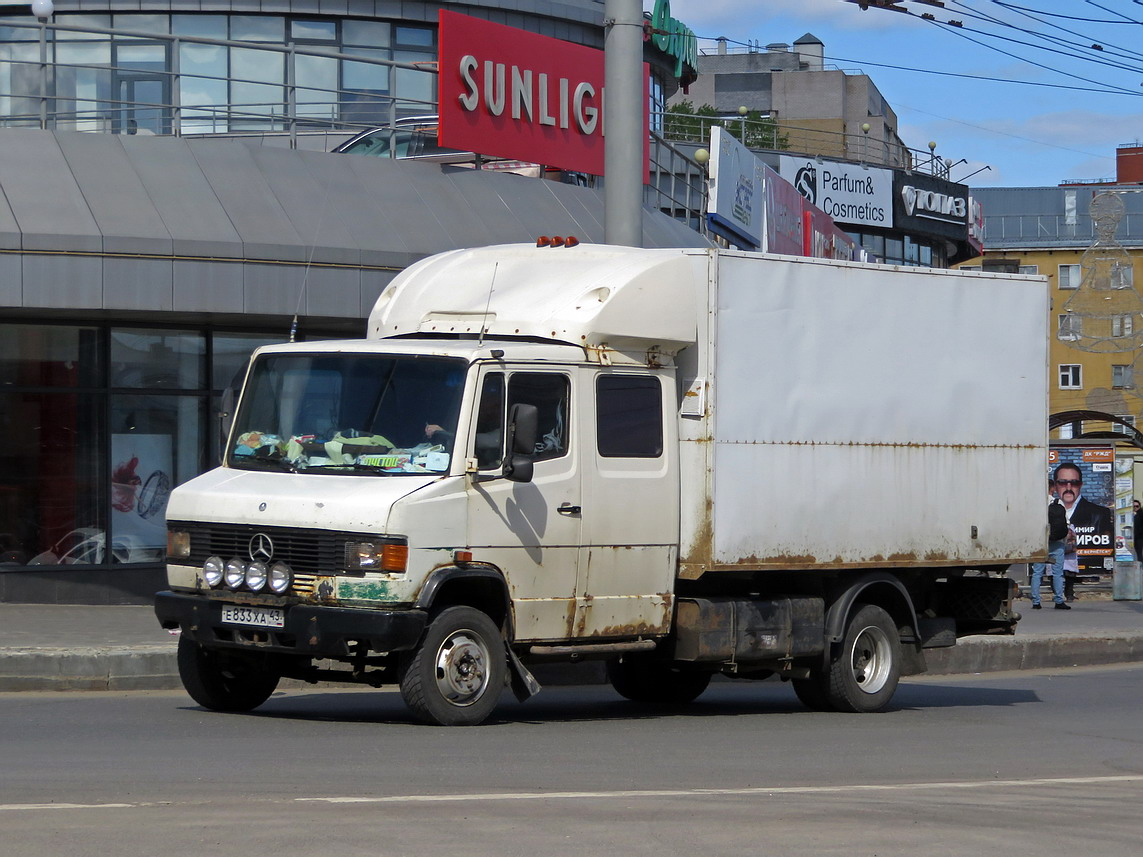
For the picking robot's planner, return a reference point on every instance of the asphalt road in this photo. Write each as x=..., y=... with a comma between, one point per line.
x=1037, y=763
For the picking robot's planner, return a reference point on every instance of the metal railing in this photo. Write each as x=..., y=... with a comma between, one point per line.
x=782, y=135
x=677, y=186
x=86, y=96
x=1059, y=230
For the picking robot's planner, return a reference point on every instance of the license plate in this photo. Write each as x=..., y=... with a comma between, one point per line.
x=265, y=617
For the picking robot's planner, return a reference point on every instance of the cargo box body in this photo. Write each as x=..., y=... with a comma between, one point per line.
x=863, y=416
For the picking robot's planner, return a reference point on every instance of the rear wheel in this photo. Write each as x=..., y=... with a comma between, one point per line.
x=225, y=681
x=812, y=693
x=643, y=680
x=456, y=676
x=863, y=676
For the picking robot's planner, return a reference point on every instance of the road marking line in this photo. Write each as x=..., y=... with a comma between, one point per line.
x=639, y=793
x=18, y=806
x=777, y=790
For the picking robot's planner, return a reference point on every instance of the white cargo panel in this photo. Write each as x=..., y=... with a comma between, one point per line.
x=869, y=415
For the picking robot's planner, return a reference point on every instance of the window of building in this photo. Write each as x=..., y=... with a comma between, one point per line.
x=1121, y=429
x=1069, y=277
x=1071, y=376
x=1122, y=275
x=912, y=251
x=1069, y=327
x=1122, y=325
x=124, y=83
x=1069, y=430
x=895, y=251
x=1122, y=377
x=102, y=422
x=628, y=416
x=1029, y=269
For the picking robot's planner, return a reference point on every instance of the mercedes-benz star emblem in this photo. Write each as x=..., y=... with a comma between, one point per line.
x=261, y=548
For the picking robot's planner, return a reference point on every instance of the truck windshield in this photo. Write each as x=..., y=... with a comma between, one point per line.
x=348, y=413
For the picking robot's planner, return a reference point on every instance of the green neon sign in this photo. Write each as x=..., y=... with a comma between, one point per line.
x=674, y=38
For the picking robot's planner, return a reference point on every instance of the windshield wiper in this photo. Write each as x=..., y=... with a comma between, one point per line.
x=244, y=461
x=372, y=469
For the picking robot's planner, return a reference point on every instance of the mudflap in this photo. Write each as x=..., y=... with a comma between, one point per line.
x=523, y=683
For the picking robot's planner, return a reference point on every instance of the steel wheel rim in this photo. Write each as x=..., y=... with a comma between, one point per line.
x=461, y=668
x=871, y=659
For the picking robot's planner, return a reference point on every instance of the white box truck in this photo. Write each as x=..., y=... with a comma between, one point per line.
x=682, y=462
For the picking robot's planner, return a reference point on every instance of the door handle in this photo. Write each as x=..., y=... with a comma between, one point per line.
x=568, y=509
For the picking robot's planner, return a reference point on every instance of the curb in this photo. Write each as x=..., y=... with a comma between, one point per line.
x=139, y=668
x=997, y=654
x=155, y=668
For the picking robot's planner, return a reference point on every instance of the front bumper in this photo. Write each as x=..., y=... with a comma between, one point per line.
x=310, y=631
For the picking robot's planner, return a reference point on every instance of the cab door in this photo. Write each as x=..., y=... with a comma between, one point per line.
x=630, y=502
x=530, y=530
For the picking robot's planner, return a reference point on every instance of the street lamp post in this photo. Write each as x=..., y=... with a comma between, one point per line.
x=623, y=110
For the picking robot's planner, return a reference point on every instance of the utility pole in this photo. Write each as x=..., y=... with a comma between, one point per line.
x=623, y=110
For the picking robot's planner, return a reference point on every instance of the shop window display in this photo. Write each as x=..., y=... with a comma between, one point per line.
x=102, y=423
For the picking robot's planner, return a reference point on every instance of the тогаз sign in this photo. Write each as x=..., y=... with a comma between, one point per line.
x=925, y=204
x=512, y=94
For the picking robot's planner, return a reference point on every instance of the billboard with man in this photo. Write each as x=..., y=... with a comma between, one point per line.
x=1083, y=477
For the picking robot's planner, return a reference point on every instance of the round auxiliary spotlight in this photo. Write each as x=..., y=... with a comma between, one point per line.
x=255, y=576
x=235, y=573
x=212, y=571
x=280, y=577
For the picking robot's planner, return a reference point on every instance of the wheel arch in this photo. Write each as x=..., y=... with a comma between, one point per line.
x=481, y=587
x=878, y=588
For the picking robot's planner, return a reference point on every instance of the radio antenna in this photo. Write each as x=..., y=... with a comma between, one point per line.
x=309, y=261
x=488, y=303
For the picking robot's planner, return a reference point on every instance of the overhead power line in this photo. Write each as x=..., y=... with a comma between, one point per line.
x=1092, y=53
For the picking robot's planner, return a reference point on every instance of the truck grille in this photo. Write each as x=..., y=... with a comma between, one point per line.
x=307, y=552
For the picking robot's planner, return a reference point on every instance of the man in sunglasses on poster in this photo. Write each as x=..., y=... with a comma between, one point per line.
x=1092, y=523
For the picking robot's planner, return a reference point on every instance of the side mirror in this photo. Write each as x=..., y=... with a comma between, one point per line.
x=522, y=422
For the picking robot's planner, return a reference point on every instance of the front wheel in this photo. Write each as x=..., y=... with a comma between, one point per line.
x=455, y=677
x=644, y=680
x=864, y=674
x=225, y=681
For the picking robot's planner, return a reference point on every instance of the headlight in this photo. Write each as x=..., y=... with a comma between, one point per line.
x=376, y=556
x=178, y=544
x=235, y=573
x=279, y=577
x=255, y=576
x=212, y=571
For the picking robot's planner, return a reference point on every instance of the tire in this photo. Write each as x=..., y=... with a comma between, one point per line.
x=456, y=676
x=812, y=693
x=225, y=681
x=643, y=680
x=863, y=675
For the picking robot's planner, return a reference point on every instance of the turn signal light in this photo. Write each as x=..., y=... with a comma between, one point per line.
x=394, y=557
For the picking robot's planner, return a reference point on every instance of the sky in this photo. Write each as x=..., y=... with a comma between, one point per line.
x=1018, y=88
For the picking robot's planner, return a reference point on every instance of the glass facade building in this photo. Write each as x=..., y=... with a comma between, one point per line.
x=211, y=73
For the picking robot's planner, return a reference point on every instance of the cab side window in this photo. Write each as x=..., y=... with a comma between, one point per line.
x=489, y=442
x=549, y=392
x=628, y=416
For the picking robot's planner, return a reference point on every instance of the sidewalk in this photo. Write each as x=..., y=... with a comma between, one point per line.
x=58, y=647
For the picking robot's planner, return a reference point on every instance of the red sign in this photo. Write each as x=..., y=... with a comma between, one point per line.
x=822, y=238
x=508, y=93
